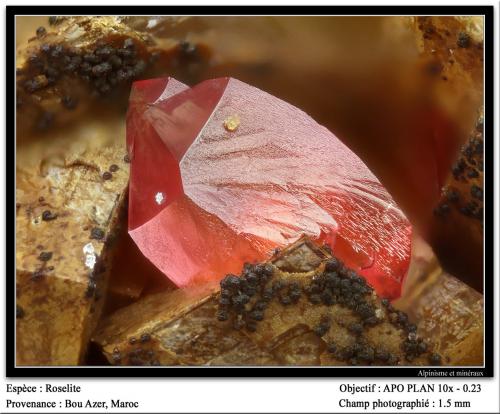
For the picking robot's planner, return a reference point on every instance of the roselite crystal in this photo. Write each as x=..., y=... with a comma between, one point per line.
x=205, y=198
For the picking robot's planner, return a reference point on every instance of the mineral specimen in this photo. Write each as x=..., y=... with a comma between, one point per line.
x=205, y=198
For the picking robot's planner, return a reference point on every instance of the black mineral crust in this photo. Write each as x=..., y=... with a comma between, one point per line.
x=244, y=299
x=467, y=173
x=285, y=311
x=61, y=69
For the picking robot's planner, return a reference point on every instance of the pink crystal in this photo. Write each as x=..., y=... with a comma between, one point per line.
x=223, y=173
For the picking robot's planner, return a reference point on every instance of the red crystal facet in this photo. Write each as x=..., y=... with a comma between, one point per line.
x=205, y=197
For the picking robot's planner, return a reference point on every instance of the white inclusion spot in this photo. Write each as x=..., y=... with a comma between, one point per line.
x=88, y=248
x=159, y=197
x=90, y=258
x=151, y=23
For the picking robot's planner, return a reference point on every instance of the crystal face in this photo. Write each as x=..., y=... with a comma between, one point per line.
x=232, y=195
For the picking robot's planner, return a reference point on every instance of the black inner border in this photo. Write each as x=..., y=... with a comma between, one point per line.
x=245, y=372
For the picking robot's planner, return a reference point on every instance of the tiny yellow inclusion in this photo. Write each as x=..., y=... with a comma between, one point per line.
x=231, y=123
